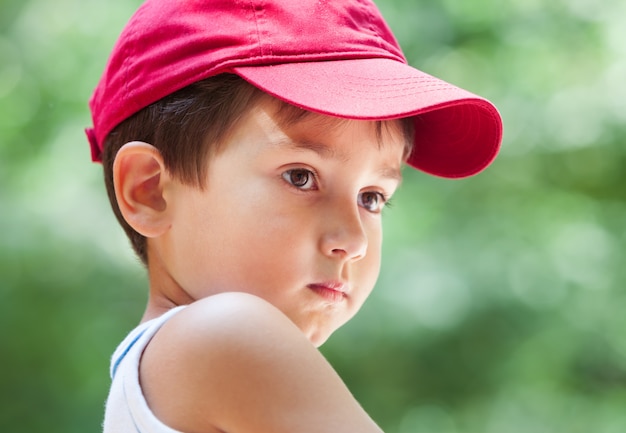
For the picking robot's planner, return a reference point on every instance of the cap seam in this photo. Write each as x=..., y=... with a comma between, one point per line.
x=257, y=10
x=278, y=59
x=130, y=49
x=371, y=27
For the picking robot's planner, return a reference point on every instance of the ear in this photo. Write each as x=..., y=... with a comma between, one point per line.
x=140, y=178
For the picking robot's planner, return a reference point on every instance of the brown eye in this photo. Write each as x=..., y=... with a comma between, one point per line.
x=300, y=178
x=372, y=201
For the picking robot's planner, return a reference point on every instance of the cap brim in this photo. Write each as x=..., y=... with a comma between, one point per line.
x=457, y=133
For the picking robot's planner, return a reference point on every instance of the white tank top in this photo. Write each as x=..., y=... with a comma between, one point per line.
x=126, y=407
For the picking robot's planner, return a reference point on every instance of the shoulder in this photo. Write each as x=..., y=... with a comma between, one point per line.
x=216, y=328
x=228, y=321
x=232, y=311
x=215, y=325
x=233, y=362
x=201, y=358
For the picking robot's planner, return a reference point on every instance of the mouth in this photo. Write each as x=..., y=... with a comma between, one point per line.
x=332, y=291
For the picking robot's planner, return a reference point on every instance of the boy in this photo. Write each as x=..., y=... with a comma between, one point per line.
x=248, y=150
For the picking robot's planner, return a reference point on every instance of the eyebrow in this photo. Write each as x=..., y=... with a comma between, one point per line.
x=328, y=152
x=323, y=150
x=391, y=173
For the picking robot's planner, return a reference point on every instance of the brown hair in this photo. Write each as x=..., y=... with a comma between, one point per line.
x=188, y=127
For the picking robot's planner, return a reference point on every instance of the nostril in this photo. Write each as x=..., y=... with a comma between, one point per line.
x=351, y=253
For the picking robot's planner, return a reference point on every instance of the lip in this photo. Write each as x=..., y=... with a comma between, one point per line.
x=331, y=291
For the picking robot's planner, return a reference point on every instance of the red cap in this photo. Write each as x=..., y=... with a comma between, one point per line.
x=332, y=57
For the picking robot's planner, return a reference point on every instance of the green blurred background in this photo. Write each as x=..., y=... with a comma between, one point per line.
x=500, y=308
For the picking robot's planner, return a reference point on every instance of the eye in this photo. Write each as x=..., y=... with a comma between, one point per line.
x=300, y=178
x=372, y=201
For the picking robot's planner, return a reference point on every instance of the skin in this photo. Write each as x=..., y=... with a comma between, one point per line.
x=279, y=248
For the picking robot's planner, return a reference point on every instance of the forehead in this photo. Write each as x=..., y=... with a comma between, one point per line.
x=288, y=117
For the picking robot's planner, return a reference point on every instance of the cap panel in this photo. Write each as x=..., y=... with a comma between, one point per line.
x=166, y=46
x=316, y=30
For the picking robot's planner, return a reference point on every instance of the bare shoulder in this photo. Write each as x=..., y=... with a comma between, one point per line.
x=234, y=363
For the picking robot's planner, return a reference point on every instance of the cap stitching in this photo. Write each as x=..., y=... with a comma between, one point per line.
x=257, y=9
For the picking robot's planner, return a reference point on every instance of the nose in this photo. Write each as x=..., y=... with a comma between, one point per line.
x=343, y=234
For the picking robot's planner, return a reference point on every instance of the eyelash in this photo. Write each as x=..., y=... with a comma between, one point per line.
x=383, y=200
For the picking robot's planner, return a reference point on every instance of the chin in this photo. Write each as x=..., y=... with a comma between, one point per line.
x=317, y=337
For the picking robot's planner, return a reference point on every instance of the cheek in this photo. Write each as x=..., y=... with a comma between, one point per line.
x=248, y=240
x=368, y=268
x=371, y=272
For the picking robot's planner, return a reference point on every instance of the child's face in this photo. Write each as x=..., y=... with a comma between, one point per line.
x=290, y=213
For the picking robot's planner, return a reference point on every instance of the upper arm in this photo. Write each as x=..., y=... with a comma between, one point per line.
x=234, y=363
